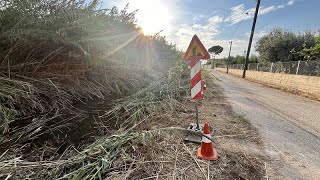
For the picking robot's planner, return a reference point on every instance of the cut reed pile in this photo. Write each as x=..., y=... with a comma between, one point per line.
x=147, y=154
x=136, y=152
x=160, y=96
x=57, y=59
x=56, y=53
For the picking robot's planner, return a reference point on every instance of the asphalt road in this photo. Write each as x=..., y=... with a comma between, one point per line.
x=289, y=125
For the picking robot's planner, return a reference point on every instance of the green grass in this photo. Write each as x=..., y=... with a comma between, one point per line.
x=239, y=118
x=212, y=87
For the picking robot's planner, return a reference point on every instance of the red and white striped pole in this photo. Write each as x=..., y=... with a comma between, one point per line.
x=196, y=86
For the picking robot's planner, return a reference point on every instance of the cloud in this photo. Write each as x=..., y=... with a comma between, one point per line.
x=290, y=2
x=268, y=9
x=257, y=35
x=260, y=34
x=207, y=32
x=238, y=47
x=209, y=36
x=198, y=17
x=239, y=13
x=215, y=20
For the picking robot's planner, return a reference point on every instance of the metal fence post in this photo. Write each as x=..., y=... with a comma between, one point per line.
x=298, y=67
x=271, y=67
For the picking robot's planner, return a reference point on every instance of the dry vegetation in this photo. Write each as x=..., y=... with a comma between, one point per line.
x=164, y=155
x=80, y=98
x=154, y=148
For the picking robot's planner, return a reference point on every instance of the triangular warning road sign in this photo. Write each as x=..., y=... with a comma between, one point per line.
x=196, y=50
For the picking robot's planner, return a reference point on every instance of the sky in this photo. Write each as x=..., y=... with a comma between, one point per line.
x=217, y=22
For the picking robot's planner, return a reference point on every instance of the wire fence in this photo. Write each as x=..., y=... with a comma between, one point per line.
x=310, y=68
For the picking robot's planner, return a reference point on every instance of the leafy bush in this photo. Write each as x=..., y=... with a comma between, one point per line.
x=279, y=44
x=312, y=53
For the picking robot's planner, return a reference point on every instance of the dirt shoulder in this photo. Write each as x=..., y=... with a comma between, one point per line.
x=166, y=156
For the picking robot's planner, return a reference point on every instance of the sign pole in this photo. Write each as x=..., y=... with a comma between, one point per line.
x=197, y=114
x=195, y=52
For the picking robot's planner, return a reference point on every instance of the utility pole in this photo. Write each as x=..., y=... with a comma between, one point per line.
x=229, y=57
x=250, y=40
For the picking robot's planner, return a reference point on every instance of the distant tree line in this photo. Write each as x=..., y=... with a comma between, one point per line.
x=283, y=45
x=240, y=59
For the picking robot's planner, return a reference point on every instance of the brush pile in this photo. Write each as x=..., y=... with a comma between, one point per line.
x=71, y=72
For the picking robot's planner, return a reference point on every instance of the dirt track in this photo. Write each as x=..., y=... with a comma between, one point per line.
x=289, y=125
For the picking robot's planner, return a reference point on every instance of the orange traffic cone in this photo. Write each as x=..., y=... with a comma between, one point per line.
x=206, y=151
x=204, y=85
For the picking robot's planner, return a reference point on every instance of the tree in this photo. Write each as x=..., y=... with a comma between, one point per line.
x=239, y=60
x=253, y=59
x=313, y=53
x=215, y=50
x=280, y=44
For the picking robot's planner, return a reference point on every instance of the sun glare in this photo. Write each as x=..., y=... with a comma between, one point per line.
x=153, y=16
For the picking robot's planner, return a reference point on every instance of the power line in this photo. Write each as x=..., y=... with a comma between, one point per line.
x=226, y=43
x=280, y=15
x=234, y=32
x=236, y=29
x=275, y=18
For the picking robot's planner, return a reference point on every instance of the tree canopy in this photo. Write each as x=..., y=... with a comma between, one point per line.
x=313, y=53
x=281, y=45
x=216, y=49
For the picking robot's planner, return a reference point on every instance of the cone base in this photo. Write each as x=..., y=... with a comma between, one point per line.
x=211, y=158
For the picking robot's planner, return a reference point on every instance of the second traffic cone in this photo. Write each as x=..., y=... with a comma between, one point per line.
x=206, y=151
x=204, y=85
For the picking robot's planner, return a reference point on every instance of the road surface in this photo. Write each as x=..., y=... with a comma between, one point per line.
x=289, y=125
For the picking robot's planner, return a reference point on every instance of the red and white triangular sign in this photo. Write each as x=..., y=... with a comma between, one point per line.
x=196, y=50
